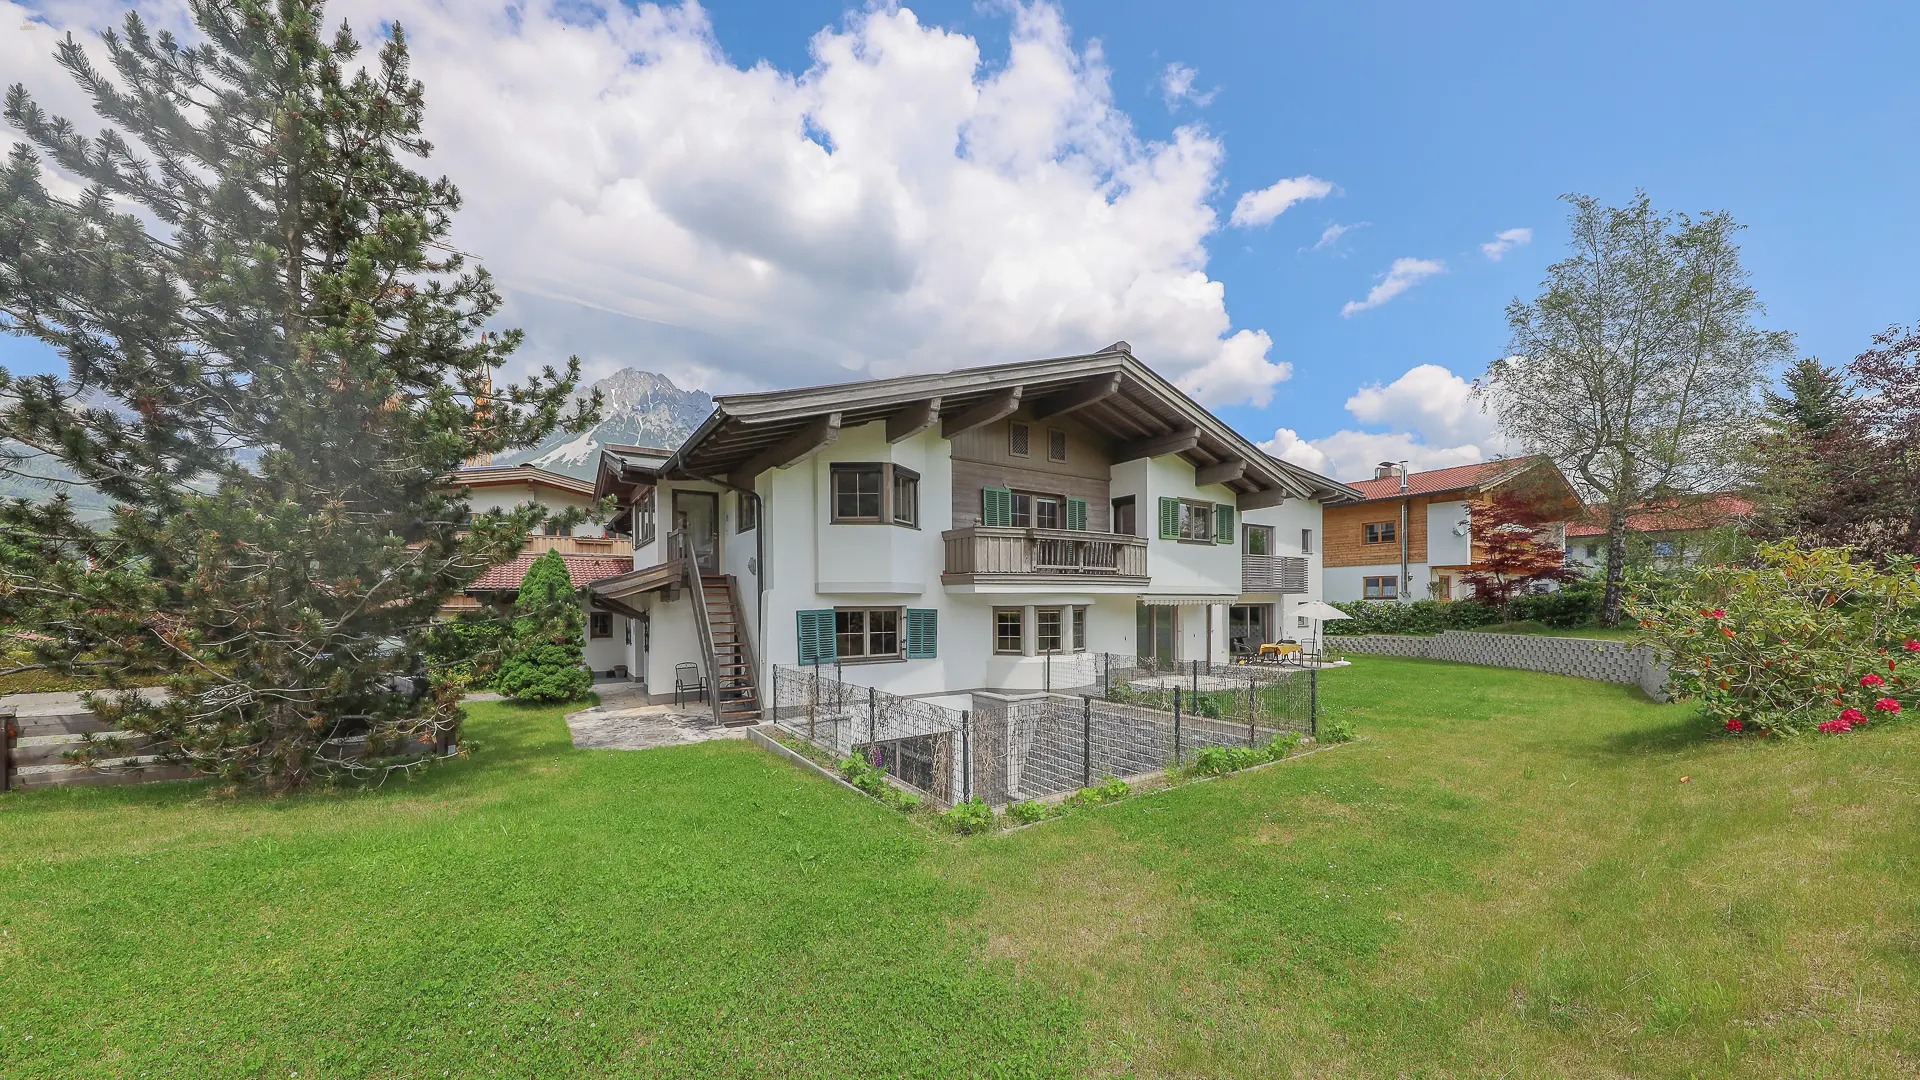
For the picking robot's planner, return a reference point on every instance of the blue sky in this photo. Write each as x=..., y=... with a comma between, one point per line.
x=1438, y=127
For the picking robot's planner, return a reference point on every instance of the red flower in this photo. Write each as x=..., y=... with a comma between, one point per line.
x=1873, y=680
x=1717, y=613
x=1735, y=725
x=1836, y=727
x=1887, y=705
x=1854, y=716
x=1912, y=646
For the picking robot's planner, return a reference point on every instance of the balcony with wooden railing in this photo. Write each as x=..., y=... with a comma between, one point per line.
x=982, y=554
x=540, y=544
x=1273, y=574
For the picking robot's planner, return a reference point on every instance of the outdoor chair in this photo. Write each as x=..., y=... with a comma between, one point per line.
x=688, y=680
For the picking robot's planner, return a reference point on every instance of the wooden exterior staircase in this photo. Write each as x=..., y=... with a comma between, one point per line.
x=734, y=689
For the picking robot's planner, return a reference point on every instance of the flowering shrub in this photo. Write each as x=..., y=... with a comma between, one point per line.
x=1800, y=640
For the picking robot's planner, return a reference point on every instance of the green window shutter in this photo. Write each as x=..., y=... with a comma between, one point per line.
x=1077, y=514
x=996, y=507
x=1222, y=523
x=923, y=633
x=1169, y=518
x=817, y=642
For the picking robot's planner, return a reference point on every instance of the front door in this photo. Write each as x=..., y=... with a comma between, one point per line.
x=1154, y=633
x=697, y=513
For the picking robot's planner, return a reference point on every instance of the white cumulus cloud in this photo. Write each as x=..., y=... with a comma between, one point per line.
x=1177, y=87
x=1506, y=241
x=1261, y=207
x=903, y=204
x=1434, y=423
x=1404, y=274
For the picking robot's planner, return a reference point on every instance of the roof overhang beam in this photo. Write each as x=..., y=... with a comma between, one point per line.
x=1226, y=472
x=818, y=434
x=1178, y=441
x=913, y=420
x=995, y=407
x=1078, y=396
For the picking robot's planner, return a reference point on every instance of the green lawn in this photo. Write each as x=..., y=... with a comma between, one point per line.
x=1506, y=878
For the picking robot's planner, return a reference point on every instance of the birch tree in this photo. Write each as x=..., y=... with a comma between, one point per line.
x=1637, y=368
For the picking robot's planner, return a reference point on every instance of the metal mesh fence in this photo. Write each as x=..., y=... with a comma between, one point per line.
x=1103, y=715
x=1274, y=697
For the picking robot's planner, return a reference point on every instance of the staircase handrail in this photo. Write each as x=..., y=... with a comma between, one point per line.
x=691, y=570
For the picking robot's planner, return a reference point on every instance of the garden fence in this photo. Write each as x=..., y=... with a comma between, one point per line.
x=1111, y=715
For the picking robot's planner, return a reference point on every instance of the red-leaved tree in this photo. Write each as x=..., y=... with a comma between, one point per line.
x=1510, y=555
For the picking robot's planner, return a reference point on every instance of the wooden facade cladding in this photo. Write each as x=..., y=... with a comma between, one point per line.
x=981, y=459
x=1343, y=531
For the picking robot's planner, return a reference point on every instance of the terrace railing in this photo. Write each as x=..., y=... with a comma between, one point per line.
x=1273, y=574
x=983, y=552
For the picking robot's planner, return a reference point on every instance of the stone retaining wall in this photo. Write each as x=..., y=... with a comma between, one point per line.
x=1582, y=658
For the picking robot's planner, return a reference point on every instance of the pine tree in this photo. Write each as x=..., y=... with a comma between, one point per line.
x=544, y=660
x=1815, y=400
x=275, y=359
x=1509, y=557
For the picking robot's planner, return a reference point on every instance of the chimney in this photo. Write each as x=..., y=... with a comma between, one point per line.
x=1384, y=470
x=1403, y=476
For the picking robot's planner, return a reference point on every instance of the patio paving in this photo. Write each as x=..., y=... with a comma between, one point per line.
x=623, y=721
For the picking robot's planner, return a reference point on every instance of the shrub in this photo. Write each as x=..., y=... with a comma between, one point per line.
x=1800, y=640
x=1576, y=604
x=468, y=646
x=1026, y=813
x=872, y=779
x=1419, y=617
x=1110, y=789
x=544, y=660
x=1218, y=760
x=968, y=818
x=1335, y=729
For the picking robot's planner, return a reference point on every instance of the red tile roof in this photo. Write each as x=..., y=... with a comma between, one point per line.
x=581, y=569
x=1433, y=481
x=1669, y=516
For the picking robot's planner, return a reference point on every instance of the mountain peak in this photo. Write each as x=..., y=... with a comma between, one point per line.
x=638, y=408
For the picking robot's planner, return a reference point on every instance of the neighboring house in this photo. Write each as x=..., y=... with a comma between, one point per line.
x=1668, y=532
x=589, y=553
x=1408, y=538
x=949, y=531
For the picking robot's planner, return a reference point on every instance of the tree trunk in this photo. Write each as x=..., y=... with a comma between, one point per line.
x=1616, y=562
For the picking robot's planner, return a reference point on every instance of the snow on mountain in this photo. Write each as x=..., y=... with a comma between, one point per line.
x=640, y=408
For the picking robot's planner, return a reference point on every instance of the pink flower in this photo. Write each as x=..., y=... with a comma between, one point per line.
x=1717, y=613
x=1854, y=716
x=1873, y=680
x=1887, y=705
x=1836, y=727
x=1912, y=646
x=1735, y=725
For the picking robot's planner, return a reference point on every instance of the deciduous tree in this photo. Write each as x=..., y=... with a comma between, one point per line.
x=1510, y=557
x=1637, y=367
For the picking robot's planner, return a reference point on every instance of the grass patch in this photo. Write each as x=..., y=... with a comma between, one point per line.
x=1507, y=877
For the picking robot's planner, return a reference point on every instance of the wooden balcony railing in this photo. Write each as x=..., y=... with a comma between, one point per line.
x=538, y=544
x=1273, y=573
x=981, y=552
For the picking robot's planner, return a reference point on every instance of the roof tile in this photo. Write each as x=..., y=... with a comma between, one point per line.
x=581, y=570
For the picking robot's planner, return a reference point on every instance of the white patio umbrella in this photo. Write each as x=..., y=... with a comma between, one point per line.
x=1320, y=612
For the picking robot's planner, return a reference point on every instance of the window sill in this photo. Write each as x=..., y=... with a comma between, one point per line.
x=857, y=661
